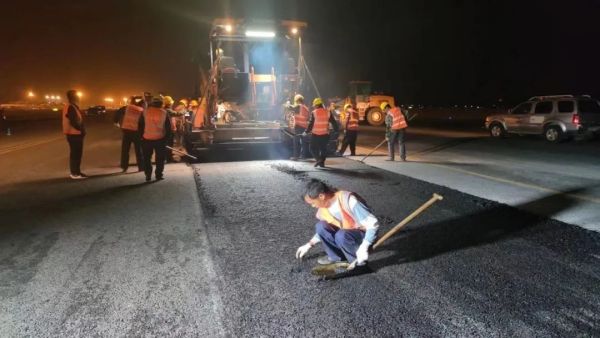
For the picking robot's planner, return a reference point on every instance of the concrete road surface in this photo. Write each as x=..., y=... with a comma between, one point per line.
x=513, y=171
x=210, y=252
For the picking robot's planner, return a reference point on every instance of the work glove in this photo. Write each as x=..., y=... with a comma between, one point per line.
x=362, y=254
x=303, y=250
x=304, y=134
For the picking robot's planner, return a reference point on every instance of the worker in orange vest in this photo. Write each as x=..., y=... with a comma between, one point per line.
x=74, y=129
x=395, y=130
x=346, y=226
x=127, y=119
x=301, y=115
x=156, y=129
x=351, y=132
x=318, y=124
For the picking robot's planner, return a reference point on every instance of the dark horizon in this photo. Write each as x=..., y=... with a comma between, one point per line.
x=452, y=52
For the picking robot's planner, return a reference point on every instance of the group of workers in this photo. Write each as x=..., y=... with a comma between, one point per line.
x=346, y=227
x=317, y=123
x=149, y=123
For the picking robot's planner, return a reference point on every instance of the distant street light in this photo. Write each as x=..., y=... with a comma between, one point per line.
x=30, y=94
x=79, y=94
x=109, y=99
x=47, y=97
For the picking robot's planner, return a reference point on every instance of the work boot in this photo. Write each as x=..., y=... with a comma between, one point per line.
x=293, y=158
x=326, y=260
x=148, y=178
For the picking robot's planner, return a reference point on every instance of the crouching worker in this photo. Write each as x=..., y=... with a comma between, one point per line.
x=346, y=227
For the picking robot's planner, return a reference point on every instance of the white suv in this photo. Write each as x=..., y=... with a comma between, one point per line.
x=556, y=117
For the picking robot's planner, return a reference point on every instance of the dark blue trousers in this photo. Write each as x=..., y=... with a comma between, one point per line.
x=339, y=244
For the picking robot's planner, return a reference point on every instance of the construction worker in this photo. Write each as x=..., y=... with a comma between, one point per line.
x=396, y=125
x=318, y=124
x=156, y=127
x=301, y=115
x=74, y=129
x=346, y=226
x=180, y=110
x=172, y=116
x=147, y=99
x=129, y=123
x=351, y=130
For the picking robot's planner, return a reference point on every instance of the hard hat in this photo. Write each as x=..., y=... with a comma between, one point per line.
x=347, y=105
x=317, y=101
x=184, y=101
x=168, y=100
x=298, y=97
x=157, y=101
x=384, y=105
x=194, y=103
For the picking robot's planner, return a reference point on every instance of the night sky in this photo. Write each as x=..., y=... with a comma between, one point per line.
x=427, y=52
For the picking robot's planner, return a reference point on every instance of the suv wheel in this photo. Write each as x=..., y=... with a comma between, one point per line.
x=553, y=134
x=497, y=130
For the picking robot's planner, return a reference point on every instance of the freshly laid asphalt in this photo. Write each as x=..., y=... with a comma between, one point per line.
x=465, y=267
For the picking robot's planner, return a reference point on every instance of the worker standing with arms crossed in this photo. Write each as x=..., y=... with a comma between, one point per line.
x=318, y=124
x=301, y=115
x=346, y=227
x=129, y=124
x=156, y=128
x=74, y=129
x=351, y=133
x=396, y=125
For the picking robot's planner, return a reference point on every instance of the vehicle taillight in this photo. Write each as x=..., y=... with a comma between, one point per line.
x=575, y=119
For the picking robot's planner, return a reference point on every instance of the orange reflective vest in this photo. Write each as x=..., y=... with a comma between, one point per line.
x=132, y=117
x=301, y=119
x=347, y=221
x=352, y=123
x=154, y=121
x=321, y=122
x=68, y=129
x=398, y=122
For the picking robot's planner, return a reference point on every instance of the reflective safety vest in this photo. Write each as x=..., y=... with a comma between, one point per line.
x=68, y=129
x=352, y=123
x=321, y=123
x=132, y=117
x=154, y=120
x=398, y=122
x=347, y=221
x=301, y=119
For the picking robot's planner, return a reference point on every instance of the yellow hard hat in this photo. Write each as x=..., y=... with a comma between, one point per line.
x=347, y=105
x=184, y=101
x=168, y=100
x=194, y=103
x=298, y=97
x=384, y=105
x=317, y=101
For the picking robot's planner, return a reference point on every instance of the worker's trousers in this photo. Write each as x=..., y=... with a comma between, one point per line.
x=299, y=142
x=318, y=147
x=397, y=137
x=131, y=137
x=339, y=244
x=76, y=152
x=349, y=140
x=158, y=148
